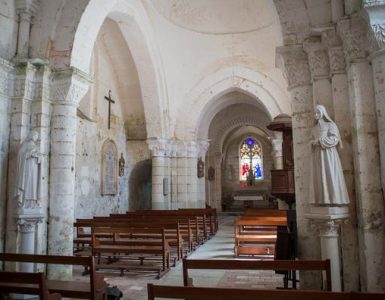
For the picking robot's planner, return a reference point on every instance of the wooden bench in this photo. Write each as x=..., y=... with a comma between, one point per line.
x=94, y=289
x=276, y=265
x=122, y=245
x=205, y=293
x=252, y=231
x=26, y=283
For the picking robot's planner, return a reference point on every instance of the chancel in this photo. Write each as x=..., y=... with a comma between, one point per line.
x=145, y=130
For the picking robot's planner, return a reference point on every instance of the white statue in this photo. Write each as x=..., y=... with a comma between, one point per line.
x=327, y=173
x=27, y=172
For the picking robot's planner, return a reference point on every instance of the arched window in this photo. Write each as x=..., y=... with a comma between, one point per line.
x=250, y=160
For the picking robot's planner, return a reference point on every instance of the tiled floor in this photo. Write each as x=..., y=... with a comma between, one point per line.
x=134, y=286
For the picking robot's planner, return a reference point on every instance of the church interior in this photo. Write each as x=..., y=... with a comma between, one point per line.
x=123, y=107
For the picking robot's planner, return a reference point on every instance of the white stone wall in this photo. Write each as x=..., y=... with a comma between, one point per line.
x=8, y=29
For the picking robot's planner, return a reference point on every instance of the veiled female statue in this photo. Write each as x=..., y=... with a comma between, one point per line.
x=27, y=172
x=327, y=173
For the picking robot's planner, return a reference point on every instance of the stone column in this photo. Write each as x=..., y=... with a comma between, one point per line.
x=294, y=63
x=23, y=92
x=191, y=174
x=277, y=151
x=342, y=117
x=5, y=79
x=319, y=68
x=158, y=149
x=25, y=10
x=203, y=146
x=327, y=223
x=370, y=204
x=68, y=88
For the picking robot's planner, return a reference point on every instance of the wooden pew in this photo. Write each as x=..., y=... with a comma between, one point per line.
x=265, y=212
x=123, y=244
x=276, y=265
x=205, y=293
x=26, y=283
x=250, y=232
x=173, y=230
x=94, y=289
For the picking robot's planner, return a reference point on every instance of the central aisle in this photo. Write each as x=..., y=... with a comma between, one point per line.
x=134, y=286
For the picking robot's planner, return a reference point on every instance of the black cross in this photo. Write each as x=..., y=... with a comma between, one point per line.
x=109, y=99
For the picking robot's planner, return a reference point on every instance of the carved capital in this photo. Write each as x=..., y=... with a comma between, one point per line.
x=158, y=147
x=28, y=223
x=27, y=7
x=335, y=51
x=318, y=57
x=69, y=86
x=294, y=63
x=327, y=228
x=375, y=11
x=353, y=33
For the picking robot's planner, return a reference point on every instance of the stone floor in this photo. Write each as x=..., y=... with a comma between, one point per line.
x=134, y=286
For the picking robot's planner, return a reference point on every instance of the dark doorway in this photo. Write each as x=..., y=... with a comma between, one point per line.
x=140, y=186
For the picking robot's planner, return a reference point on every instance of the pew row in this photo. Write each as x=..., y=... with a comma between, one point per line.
x=26, y=284
x=256, y=235
x=205, y=293
x=276, y=265
x=94, y=289
x=119, y=245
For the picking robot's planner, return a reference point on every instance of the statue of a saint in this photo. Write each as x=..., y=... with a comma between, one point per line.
x=27, y=172
x=200, y=168
x=121, y=165
x=328, y=178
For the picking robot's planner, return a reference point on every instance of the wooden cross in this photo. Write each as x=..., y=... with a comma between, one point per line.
x=109, y=99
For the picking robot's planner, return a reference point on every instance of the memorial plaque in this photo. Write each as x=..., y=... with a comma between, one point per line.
x=109, y=168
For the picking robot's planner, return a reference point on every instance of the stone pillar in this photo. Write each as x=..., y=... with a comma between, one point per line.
x=327, y=221
x=277, y=151
x=203, y=146
x=342, y=117
x=191, y=174
x=294, y=63
x=319, y=68
x=158, y=149
x=25, y=10
x=23, y=94
x=5, y=79
x=370, y=204
x=68, y=88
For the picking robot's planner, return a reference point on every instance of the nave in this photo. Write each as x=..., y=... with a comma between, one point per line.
x=134, y=285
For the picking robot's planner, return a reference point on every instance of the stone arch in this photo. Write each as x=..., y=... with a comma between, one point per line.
x=256, y=85
x=137, y=31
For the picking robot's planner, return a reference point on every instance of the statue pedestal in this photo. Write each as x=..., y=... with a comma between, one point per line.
x=27, y=228
x=27, y=219
x=327, y=221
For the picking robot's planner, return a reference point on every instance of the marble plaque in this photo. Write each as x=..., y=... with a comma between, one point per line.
x=109, y=168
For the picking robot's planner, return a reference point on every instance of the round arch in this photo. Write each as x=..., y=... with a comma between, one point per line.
x=137, y=31
x=201, y=104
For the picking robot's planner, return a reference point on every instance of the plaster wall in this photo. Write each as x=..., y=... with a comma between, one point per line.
x=113, y=69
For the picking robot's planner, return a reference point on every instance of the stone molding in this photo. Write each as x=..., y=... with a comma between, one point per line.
x=353, y=33
x=318, y=58
x=295, y=65
x=174, y=148
x=69, y=86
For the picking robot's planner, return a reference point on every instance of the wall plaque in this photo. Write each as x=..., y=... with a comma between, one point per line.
x=109, y=168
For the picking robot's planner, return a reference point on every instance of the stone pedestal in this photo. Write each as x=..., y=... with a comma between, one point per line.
x=327, y=221
x=27, y=220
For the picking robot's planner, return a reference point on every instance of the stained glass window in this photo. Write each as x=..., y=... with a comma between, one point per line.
x=250, y=160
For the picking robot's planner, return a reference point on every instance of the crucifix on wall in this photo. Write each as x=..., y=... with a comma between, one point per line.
x=109, y=99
